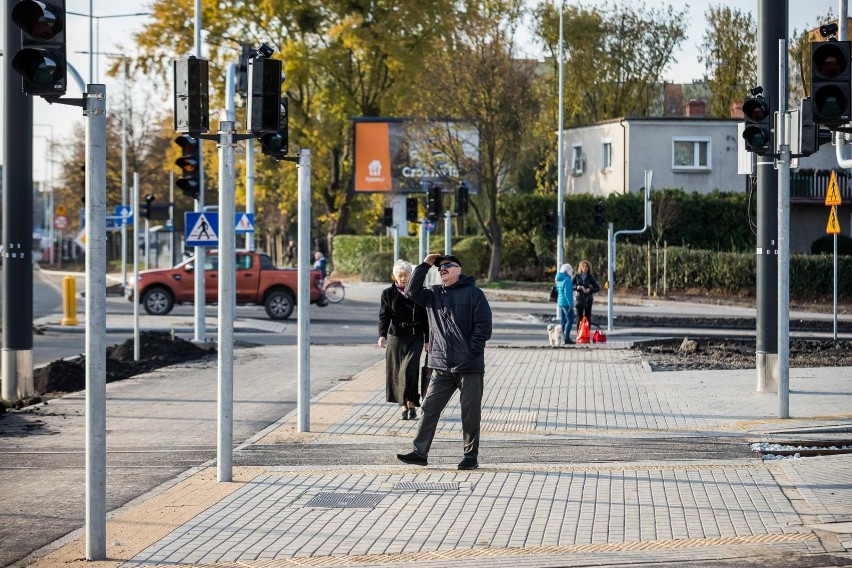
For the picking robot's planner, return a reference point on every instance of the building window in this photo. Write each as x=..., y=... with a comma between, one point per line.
x=578, y=160
x=606, y=155
x=691, y=153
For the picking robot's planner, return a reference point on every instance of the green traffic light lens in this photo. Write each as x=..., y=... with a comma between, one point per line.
x=756, y=137
x=39, y=66
x=830, y=101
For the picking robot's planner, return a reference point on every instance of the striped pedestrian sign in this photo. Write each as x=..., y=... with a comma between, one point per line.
x=201, y=229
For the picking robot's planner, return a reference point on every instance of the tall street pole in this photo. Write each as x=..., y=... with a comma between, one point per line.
x=772, y=26
x=16, y=361
x=560, y=153
x=200, y=299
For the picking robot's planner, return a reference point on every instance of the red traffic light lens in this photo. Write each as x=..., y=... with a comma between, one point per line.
x=828, y=61
x=38, y=20
x=755, y=109
x=188, y=143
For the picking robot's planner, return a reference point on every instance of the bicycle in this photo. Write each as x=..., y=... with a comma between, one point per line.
x=333, y=291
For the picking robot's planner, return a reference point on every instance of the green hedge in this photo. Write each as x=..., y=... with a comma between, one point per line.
x=687, y=270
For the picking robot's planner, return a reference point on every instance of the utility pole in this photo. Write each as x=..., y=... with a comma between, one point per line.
x=772, y=26
x=16, y=364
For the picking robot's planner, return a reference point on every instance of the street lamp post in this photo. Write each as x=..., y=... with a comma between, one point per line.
x=48, y=200
x=95, y=45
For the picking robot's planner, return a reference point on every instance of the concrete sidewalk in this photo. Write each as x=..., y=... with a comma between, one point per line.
x=336, y=496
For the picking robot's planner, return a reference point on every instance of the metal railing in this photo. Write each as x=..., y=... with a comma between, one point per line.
x=813, y=184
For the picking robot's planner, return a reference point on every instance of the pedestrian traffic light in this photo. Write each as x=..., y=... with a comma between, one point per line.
x=264, y=97
x=600, y=218
x=830, y=82
x=462, y=199
x=813, y=135
x=145, y=209
x=276, y=144
x=411, y=209
x=41, y=60
x=757, y=133
x=435, y=207
x=191, y=97
x=387, y=217
x=189, y=163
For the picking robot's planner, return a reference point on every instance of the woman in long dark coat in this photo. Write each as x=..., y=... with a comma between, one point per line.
x=403, y=331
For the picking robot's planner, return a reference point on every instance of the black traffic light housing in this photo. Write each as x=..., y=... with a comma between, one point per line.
x=758, y=130
x=189, y=163
x=813, y=135
x=462, y=199
x=41, y=60
x=191, y=97
x=435, y=206
x=241, y=86
x=600, y=212
x=276, y=144
x=264, y=92
x=387, y=217
x=550, y=222
x=146, y=209
x=830, y=82
x=411, y=209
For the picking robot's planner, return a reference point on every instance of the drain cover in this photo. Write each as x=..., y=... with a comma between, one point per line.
x=415, y=486
x=346, y=500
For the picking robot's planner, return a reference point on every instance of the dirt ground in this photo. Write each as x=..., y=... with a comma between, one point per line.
x=707, y=354
x=157, y=349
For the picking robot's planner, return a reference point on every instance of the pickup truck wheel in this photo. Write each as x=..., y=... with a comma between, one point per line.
x=158, y=301
x=279, y=305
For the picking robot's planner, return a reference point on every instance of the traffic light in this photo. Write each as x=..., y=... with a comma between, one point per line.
x=813, y=135
x=191, y=97
x=435, y=207
x=830, y=82
x=264, y=97
x=550, y=222
x=241, y=86
x=387, y=217
x=276, y=144
x=145, y=209
x=411, y=209
x=462, y=199
x=757, y=132
x=600, y=218
x=190, y=160
x=41, y=60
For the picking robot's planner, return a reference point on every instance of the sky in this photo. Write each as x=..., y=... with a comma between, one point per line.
x=111, y=33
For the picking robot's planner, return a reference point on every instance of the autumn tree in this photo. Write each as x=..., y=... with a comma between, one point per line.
x=729, y=54
x=342, y=59
x=476, y=78
x=615, y=56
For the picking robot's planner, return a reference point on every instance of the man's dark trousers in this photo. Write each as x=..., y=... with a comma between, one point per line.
x=440, y=391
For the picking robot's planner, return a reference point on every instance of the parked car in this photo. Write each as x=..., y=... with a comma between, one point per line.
x=258, y=281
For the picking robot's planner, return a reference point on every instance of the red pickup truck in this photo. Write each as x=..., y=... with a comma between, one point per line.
x=258, y=282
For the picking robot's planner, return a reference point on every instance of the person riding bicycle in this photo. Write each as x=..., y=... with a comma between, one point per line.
x=320, y=263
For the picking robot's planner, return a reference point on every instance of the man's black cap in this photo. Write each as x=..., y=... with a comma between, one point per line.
x=448, y=258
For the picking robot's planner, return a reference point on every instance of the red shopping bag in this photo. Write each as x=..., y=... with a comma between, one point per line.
x=598, y=336
x=583, y=335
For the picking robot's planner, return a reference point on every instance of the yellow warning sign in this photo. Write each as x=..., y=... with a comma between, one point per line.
x=833, y=226
x=832, y=196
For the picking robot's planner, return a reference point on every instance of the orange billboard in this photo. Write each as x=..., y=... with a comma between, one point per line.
x=406, y=156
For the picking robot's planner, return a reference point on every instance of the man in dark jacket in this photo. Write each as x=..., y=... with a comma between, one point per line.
x=459, y=325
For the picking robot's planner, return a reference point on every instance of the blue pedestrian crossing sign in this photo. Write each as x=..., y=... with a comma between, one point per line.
x=201, y=229
x=244, y=223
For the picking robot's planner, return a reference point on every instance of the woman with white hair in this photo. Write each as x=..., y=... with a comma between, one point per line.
x=403, y=331
x=565, y=300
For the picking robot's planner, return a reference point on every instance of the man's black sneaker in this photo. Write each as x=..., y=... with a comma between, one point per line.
x=468, y=463
x=412, y=458
x=569, y=342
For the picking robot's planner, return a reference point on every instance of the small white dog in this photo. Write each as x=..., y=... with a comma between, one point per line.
x=554, y=335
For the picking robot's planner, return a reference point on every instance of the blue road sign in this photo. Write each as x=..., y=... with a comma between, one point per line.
x=125, y=212
x=244, y=222
x=201, y=229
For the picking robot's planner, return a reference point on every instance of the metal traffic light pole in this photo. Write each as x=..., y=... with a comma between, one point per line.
x=782, y=364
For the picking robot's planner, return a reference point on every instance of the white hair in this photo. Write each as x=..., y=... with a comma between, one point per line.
x=402, y=266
